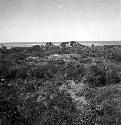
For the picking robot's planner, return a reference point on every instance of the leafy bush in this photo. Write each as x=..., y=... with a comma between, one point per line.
x=96, y=75
x=108, y=103
x=75, y=71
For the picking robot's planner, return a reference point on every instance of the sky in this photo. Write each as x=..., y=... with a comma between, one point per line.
x=60, y=20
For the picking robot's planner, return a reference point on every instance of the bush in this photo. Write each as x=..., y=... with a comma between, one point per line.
x=48, y=106
x=108, y=103
x=96, y=76
x=75, y=71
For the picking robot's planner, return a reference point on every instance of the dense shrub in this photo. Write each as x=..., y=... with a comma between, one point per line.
x=74, y=71
x=108, y=103
x=48, y=106
x=96, y=76
x=102, y=74
x=113, y=76
x=69, y=91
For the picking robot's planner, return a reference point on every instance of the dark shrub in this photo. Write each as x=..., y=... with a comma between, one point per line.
x=96, y=75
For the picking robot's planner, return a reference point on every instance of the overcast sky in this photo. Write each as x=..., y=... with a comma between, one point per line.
x=59, y=20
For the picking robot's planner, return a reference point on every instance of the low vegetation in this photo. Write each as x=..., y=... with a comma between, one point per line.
x=69, y=84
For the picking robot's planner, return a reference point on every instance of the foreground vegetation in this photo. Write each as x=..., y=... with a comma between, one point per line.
x=69, y=84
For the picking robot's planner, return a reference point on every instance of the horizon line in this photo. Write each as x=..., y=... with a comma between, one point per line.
x=60, y=41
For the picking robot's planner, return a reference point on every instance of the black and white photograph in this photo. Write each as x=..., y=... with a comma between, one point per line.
x=60, y=62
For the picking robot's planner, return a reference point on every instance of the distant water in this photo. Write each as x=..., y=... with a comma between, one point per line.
x=86, y=43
